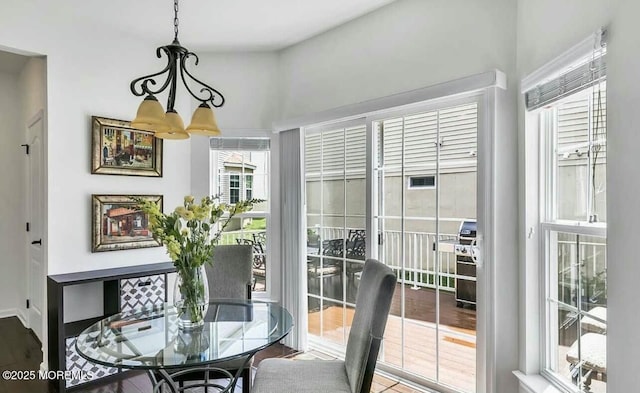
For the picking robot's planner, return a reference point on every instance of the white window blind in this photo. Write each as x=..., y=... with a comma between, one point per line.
x=253, y=144
x=570, y=82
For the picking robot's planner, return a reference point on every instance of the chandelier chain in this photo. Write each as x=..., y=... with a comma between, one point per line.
x=175, y=19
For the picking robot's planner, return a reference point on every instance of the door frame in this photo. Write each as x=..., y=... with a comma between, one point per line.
x=485, y=192
x=39, y=116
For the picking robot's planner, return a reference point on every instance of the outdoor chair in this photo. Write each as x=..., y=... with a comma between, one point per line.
x=355, y=373
x=229, y=277
x=259, y=257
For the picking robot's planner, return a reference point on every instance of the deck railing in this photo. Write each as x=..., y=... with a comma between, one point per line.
x=421, y=265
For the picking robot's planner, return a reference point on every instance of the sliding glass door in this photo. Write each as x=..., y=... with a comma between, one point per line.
x=420, y=208
x=335, y=188
x=425, y=176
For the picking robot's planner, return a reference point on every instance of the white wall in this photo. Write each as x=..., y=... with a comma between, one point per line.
x=546, y=28
x=403, y=46
x=623, y=188
x=12, y=191
x=411, y=44
x=88, y=73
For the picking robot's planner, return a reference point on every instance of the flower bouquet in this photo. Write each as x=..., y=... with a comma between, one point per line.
x=187, y=234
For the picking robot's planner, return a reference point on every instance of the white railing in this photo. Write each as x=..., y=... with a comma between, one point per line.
x=232, y=237
x=421, y=265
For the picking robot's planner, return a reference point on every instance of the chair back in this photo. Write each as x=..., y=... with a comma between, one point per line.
x=373, y=302
x=230, y=275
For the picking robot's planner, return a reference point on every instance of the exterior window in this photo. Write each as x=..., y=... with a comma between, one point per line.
x=422, y=182
x=574, y=239
x=248, y=186
x=244, y=173
x=234, y=188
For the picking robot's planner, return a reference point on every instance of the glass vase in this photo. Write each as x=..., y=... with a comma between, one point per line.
x=191, y=297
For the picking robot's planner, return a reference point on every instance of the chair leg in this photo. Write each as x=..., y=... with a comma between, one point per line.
x=246, y=380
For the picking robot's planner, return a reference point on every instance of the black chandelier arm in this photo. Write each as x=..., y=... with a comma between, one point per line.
x=211, y=94
x=144, y=81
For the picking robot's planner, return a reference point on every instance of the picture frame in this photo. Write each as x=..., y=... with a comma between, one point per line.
x=119, y=149
x=117, y=224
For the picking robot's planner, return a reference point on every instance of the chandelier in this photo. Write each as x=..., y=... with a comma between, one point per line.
x=169, y=125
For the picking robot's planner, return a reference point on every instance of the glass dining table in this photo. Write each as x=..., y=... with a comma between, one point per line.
x=150, y=339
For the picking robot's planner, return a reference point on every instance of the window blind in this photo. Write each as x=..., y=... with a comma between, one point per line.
x=239, y=144
x=570, y=82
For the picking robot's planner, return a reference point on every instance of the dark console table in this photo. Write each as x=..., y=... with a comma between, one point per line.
x=125, y=288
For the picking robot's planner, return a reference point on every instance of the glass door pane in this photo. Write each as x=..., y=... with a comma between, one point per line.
x=426, y=170
x=335, y=174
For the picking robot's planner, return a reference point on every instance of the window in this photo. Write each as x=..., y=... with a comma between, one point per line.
x=422, y=182
x=243, y=167
x=248, y=185
x=573, y=139
x=234, y=188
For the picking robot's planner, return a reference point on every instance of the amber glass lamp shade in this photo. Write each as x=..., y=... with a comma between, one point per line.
x=150, y=116
x=175, y=127
x=203, y=122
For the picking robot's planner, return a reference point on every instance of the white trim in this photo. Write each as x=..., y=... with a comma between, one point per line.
x=535, y=383
x=22, y=317
x=495, y=78
x=10, y=312
x=578, y=228
x=485, y=272
x=576, y=54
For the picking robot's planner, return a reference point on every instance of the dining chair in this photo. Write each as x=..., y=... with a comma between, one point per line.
x=355, y=373
x=229, y=277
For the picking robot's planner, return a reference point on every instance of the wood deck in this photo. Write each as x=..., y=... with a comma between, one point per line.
x=454, y=339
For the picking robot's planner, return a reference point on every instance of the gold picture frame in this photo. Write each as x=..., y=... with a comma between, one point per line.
x=118, y=224
x=119, y=149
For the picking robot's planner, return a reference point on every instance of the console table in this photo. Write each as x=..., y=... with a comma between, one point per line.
x=124, y=288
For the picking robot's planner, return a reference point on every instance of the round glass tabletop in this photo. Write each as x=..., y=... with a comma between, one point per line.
x=150, y=338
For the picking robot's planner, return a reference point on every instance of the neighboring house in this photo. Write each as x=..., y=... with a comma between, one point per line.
x=241, y=175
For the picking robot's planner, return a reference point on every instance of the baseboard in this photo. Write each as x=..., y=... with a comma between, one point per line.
x=22, y=317
x=15, y=312
x=9, y=312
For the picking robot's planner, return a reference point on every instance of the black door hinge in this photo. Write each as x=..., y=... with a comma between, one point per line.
x=28, y=227
x=26, y=148
x=28, y=303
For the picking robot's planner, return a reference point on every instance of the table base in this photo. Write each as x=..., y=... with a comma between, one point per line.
x=169, y=379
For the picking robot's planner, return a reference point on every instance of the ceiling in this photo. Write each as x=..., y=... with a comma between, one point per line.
x=221, y=25
x=11, y=63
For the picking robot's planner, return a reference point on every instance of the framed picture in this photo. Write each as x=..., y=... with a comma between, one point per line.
x=119, y=225
x=118, y=149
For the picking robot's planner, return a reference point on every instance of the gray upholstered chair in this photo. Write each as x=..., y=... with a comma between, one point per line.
x=355, y=373
x=229, y=277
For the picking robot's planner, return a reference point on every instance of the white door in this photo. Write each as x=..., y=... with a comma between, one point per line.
x=35, y=254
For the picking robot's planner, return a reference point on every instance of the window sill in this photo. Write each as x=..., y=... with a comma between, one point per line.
x=535, y=383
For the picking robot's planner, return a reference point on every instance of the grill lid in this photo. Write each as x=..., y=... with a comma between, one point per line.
x=468, y=228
